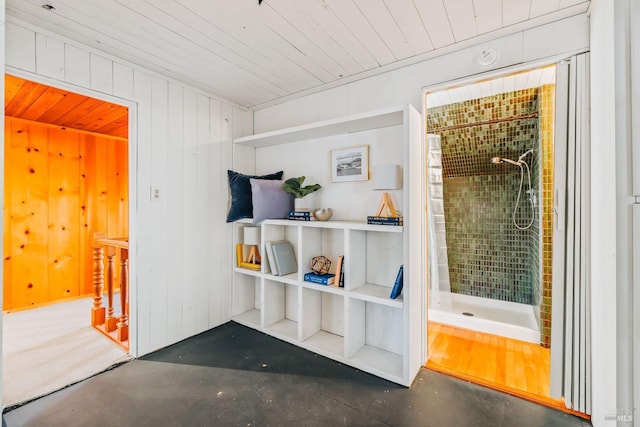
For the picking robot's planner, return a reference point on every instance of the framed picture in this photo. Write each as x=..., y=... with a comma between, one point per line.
x=350, y=164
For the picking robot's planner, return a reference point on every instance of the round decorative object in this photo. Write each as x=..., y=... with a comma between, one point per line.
x=320, y=264
x=323, y=214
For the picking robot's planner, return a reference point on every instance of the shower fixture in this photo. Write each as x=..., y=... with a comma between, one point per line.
x=498, y=160
x=522, y=164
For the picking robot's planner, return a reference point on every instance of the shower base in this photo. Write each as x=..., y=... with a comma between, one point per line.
x=507, y=319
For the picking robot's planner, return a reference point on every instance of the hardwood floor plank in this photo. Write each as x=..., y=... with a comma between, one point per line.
x=511, y=366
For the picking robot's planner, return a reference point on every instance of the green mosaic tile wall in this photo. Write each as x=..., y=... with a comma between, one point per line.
x=488, y=256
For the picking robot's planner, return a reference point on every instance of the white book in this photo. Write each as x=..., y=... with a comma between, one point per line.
x=268, y=248
x=285, y=258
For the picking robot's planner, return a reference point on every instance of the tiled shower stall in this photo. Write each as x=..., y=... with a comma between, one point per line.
x=487, y=255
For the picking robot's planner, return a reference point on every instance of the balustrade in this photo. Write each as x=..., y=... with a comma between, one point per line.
x=104, y=318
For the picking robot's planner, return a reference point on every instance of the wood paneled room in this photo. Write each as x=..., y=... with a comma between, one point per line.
x=66, y=177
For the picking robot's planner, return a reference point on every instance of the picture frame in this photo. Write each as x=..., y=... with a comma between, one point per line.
x=350, y=164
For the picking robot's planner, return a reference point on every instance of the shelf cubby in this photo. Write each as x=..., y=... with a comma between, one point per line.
x=328, y=242
x=375, y=336
x=247, y=299
x=275, y=232
x=322, y=328
x=281, y=308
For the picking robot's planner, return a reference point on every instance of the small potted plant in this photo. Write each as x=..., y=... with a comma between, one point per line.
x=294, y=186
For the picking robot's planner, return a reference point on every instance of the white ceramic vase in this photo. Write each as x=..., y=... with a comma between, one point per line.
x=302, y=204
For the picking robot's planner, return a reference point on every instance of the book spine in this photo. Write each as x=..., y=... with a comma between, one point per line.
x=375, y=222
x=338, y=271
x=303, y=214
x=250, y=266
x=272, y=262
x=397, y=285
x=239, y=254
x=319, y=280
x=389, y=220
x=299, y=218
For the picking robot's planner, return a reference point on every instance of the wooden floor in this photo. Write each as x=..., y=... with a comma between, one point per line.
x=515, y=367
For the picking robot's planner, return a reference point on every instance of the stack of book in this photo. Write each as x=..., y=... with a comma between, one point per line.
x=329, y=279
x=384, y=220
x=281, y=258
x=300, y=216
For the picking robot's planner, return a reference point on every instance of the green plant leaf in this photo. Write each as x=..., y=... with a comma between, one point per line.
x=294, y=186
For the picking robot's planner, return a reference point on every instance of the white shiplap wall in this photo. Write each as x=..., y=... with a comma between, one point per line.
x=405, y=85
x=180, y=142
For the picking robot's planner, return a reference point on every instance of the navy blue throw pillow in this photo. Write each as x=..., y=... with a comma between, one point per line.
x=240, y=205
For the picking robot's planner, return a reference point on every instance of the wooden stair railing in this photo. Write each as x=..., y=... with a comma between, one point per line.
x=103, y=318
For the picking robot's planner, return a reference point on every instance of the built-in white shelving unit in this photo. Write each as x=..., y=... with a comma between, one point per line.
x=358, y=324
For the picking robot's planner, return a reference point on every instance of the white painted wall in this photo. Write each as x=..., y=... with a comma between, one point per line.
x=181, y=253
x=551, y=41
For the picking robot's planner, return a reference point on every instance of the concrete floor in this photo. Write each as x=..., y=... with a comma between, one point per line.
x=235, y=376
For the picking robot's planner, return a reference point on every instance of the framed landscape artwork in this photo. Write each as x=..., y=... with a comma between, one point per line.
x=350, y=164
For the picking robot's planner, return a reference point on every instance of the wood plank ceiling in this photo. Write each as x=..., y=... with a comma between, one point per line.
x=44, y=104
x=255, y=55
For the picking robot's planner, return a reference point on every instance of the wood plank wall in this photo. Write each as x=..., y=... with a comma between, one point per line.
x=61, y=186
x=182, y=143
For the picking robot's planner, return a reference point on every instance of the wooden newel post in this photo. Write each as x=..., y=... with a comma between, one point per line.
x=123, y=324
x=97, y=311
x=110, y=323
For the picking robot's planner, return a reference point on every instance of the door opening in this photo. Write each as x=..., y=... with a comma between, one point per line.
x=490, y=151
x=66, y=178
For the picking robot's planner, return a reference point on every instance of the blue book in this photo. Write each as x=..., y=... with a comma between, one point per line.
x=299, y=218
x=397, y=286
x=322, y=279
x=304, y=214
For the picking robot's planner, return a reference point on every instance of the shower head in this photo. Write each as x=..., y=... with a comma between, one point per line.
x=498, y=160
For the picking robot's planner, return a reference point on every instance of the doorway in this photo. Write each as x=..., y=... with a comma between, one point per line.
x=66, y=178
x=490, y=151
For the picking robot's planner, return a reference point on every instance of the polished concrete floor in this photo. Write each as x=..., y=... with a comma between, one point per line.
x=235, y=376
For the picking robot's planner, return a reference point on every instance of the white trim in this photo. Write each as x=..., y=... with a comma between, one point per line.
x=501, y=72
x=560, y=209
x=634, y=41
x=59, y=84
x=2, y=89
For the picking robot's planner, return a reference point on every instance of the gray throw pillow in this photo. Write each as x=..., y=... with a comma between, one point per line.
x=270, y=201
